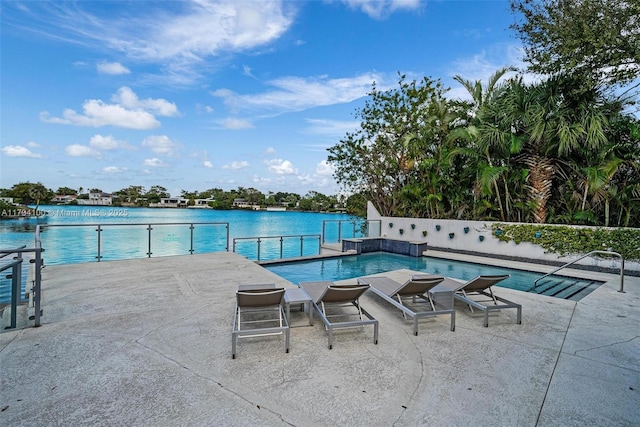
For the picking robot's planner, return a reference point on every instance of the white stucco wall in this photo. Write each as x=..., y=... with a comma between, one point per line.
x=471, y=240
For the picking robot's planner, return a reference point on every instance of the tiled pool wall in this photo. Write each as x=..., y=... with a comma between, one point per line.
x=379, y=244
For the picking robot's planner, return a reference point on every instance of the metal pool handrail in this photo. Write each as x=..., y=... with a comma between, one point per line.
x=535, y=283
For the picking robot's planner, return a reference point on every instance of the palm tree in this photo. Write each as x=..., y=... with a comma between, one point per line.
x=38, y=192
x=482, y=96
x=544, y=125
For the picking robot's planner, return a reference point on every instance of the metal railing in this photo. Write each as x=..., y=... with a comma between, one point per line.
x=182, y=240
x=358, y=228
x=16, y=278
x=535, y=283
x=281, y=239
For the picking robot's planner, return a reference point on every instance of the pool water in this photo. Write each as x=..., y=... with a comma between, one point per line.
x=348, y=267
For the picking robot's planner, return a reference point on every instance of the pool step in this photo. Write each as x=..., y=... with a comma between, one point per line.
x=566, y=288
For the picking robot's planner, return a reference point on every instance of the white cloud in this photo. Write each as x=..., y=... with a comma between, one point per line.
x=127, y=112
x=246, y=70
x=270, y=150
x=179, y=36
x=232, y=123
x=127, y=98
x=19, y=151
x=32, y=144
x=108, y=142
x=324, y=168
x=204, y=109
x=315, y=181
x=297, y=93
x=97, y=114
x=112, y=68
x=154, y=163
x=207, y=164
x=113, y=169
x=207, y=28
x=378, y=9
x=237, y=165
x=161, y=144
x=281, y=167
x=77, y=150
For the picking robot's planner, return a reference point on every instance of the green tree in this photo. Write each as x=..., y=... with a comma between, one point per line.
x=254, y=196
x=156, y=193
x=595, y=41
x=488, y=174
x=380, y=158
x=66, y=191
x=31, y=193
x=545, y=124
x=316, y=202
x=357, y=205
x=40, y=193
x=131, y=194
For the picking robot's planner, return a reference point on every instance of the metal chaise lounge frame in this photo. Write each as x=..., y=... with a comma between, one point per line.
x=481, y=285
x=327, y=293
x=259, y=298
x=417, y=286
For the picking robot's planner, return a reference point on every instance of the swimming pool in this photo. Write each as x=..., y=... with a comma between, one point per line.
x=348, y=267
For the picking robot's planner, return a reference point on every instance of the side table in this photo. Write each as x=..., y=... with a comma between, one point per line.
x=298, y=296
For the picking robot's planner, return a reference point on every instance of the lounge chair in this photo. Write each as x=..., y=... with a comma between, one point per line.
x=418, y=286
x=481, y=285
x=252, y=303
x=326, y=294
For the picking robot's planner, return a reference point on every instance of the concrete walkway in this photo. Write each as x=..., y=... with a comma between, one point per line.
x=148, y=343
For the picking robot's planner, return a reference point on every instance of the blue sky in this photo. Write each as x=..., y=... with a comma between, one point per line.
x=192, y=95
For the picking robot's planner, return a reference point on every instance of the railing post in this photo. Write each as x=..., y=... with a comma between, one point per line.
x=621, y=275
x=191, y=228
x=319, y=245
x=339, y=231
x=99, y=230
x=37, y=286
x=149, y=251
x=16, y=281
x=227, y=247
x=281, y=241
x=324, y=222
x=301, y=245
x=259, y=249
x=354, y=229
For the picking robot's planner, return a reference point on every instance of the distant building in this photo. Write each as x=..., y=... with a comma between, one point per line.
x=202, y=203
x=64, y=199
x=97, y=199
x=170, y=202
x=243, y=204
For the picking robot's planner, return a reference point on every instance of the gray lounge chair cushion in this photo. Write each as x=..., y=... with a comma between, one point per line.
x=260, y=297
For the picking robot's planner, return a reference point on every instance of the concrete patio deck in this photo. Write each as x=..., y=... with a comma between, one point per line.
x=148, y=342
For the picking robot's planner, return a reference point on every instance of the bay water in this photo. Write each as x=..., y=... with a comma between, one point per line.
x=74, y=234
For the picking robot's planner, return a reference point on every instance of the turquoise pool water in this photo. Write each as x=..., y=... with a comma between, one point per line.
x=348, y=267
